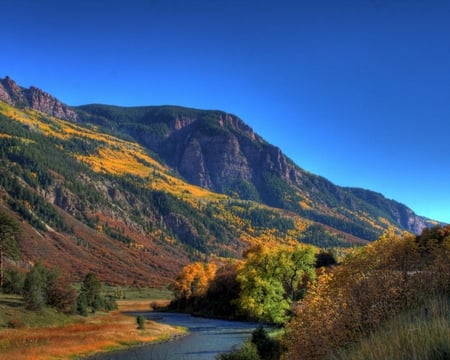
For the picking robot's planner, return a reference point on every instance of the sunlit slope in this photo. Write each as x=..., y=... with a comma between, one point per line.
x=91, y=200
x=218, y=151
x=107, y=154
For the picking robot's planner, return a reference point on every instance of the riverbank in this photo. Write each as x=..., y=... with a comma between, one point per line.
x=79, y=336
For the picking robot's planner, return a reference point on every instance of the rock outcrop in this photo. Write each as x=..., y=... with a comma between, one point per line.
x=218, y=151
x=34, y=98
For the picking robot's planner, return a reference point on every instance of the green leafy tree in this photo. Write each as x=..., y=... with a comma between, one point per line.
x=271, y=279
x=9, y=229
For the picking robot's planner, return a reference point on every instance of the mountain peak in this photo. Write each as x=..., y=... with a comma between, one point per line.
x=34, y=98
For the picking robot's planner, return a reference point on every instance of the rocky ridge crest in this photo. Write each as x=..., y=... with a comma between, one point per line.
x=34, y=98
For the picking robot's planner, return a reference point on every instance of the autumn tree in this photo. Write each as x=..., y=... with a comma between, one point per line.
x=371, y=284
x=60, y=294
x=271, y=279
x=44, y=286
x=194, y=279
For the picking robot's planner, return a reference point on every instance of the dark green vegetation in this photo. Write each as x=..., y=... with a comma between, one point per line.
x=41, y=287
x=260, y=347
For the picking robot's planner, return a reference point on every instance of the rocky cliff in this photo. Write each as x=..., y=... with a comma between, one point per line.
x=34, y=98
x=218, y=151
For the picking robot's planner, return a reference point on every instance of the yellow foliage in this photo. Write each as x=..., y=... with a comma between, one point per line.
x=370, y=285
x=114, y=155
x=194, y=279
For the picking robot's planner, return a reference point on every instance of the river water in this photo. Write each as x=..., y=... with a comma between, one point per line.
x=206, y=339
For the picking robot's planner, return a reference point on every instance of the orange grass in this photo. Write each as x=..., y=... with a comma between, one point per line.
x=94, y=334
x=141, y=305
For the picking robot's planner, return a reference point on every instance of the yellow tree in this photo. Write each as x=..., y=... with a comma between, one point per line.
x=194, y=279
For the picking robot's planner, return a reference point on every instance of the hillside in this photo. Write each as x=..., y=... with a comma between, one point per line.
x=218, y=151
x=135, y=193
x=82, y=207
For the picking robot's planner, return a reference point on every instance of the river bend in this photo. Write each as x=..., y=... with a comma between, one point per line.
x=206, y=339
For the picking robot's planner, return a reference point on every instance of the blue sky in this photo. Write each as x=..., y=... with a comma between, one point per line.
x=357, y=91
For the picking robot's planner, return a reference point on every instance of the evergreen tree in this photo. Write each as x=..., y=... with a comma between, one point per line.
x=9, y=229
x=35, y=287
x=90, y=296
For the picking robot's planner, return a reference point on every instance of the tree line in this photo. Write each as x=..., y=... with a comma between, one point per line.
x=322, y=309
x=263, y=286
x=42, y=287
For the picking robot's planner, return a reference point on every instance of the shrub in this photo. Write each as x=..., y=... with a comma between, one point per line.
x=268, y=348
x=16, y=324
x=248, y=351
x=14, y=281
x=370, y=286
x=141, y=322
x=90, y=297
x=60, y=295
x=418, y=334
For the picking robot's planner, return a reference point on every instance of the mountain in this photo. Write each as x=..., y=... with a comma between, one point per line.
x=34, y=98
x=219, y=152
x=135, y=193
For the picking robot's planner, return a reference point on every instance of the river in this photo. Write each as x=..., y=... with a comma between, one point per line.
x=206, y=339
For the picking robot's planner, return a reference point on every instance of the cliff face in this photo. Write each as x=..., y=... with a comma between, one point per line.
x=218, y=151
x=34, y=98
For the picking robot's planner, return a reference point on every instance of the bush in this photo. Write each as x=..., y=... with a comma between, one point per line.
x=141, y=322
x=372, y=285
x=14, y=281
x=247, y=352
x=418, y=334
x=90, y=297
x=268, y=348
x=61, y=295
x=15, y=324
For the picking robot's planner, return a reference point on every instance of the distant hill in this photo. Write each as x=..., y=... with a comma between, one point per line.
x=135, y=193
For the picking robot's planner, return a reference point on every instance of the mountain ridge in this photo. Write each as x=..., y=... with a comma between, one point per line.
x=207, y=153
x=132, y=187
x=181, y=150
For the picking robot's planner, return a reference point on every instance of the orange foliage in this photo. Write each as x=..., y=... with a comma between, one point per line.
x=95, y=334
x=194, y=280
x=371, y=284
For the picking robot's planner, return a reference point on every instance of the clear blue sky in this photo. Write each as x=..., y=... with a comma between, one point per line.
x=357, y=91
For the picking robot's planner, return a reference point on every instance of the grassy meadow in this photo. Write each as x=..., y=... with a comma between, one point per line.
x=49, y=334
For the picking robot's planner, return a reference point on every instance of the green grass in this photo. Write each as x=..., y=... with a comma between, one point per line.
x=129, y=293
x=422, y=334
x=13, y=314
